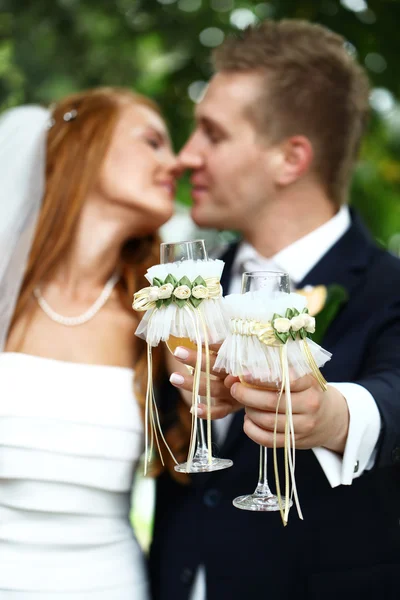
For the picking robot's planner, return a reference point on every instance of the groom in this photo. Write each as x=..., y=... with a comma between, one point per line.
x=271, y=156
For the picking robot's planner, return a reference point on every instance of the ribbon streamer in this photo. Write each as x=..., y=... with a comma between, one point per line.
x=152, y=419
x=199, y=320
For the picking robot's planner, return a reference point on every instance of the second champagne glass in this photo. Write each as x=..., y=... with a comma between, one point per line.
x=179, y=252
x=262, y=498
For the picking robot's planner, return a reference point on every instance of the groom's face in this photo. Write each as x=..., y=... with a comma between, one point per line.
x=231, y=163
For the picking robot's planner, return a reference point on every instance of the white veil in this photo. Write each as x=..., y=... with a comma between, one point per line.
x=23, y=133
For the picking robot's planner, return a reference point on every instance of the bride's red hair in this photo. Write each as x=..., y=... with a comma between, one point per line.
x=75, y=152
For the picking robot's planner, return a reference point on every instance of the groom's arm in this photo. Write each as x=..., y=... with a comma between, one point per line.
x=381, y=377
x=374, y=408
x=370, y=435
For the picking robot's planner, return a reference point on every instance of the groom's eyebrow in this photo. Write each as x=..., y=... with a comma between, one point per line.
x=209, y=122
x=204, y=116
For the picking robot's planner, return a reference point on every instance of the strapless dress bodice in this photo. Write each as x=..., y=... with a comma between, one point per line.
x=70, y=439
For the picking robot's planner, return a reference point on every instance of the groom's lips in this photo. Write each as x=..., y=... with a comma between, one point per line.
x=199, y=188
x=198, y=192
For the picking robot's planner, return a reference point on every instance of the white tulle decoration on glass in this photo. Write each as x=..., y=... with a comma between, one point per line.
x=183, y=306
x=175, y=285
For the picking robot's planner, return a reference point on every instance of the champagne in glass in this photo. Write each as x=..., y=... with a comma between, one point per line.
x=173, y=342
x=179, y=252
x=263, y=499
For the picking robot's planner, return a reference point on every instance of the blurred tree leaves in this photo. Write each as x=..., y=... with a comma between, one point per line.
x=49, y=48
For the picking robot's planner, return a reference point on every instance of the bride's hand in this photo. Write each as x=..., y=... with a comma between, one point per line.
x=220, y=383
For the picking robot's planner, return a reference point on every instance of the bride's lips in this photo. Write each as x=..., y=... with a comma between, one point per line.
x=170, y=186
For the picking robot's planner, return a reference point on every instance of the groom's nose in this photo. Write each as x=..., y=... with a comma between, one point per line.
x=190, y=157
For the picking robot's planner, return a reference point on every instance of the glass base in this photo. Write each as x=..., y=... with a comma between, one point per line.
x=203, y=466
x=256, y=502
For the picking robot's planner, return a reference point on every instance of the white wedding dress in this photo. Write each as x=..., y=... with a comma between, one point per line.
x=70, y=438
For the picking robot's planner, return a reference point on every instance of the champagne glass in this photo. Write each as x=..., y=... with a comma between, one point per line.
x=179, y=252
x=262, y=499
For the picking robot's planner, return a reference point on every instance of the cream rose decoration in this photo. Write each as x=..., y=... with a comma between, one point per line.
x=165, y=291
x=153, y=293
x=182, y=292
x=200, y=291
x=309, y=323
x=297, y=322
x=282, y=325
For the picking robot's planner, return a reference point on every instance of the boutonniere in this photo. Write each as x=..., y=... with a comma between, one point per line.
x=324, y=303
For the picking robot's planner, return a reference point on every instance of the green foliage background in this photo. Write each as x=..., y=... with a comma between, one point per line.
x=49, y=48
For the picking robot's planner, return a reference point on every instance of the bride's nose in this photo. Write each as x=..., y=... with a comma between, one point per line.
x=171, y=161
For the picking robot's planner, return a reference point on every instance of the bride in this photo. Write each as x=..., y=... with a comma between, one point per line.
x=84, y=189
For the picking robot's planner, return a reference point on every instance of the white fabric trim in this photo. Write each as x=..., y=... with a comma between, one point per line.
x=364, y=429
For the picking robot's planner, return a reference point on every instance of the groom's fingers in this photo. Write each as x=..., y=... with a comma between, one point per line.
x=266, y=420
x=258, y=399
x=230, y=380
x=304, y=399
x=303, y=426
x=260, y=436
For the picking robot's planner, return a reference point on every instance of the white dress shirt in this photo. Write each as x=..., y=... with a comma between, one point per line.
x=365, y=423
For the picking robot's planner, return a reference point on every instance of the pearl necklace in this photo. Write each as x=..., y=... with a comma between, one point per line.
x=84, y=317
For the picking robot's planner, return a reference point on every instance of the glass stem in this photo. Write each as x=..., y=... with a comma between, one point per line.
x=201, y=447
x=263, y=488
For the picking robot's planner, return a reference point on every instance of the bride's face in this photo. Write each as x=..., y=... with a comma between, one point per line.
x=139, y=168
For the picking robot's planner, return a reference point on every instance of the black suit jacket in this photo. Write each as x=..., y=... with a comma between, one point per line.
x=348, y=545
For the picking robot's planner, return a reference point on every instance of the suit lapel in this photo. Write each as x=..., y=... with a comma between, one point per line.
x=344, y=264
x=228, y=257
x=345, y=260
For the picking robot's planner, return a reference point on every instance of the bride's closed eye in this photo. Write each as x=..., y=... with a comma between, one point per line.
x=154, y=142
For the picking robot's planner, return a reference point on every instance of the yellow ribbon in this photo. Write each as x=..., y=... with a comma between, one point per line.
x=313, y=366
x=198, y=321
x=214, y=287
x=193, y=313
x=265, y=333
x=141, y=301
x=151, y=417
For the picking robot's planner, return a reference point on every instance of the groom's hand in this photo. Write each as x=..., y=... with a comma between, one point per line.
x=220, y=383
x=319, y=418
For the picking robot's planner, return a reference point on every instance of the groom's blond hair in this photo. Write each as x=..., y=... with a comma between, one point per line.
x=310, y=85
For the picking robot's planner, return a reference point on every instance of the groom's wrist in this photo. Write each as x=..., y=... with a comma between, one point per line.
x=337, y=419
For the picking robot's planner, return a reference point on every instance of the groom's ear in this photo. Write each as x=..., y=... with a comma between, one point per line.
x=291, y=159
